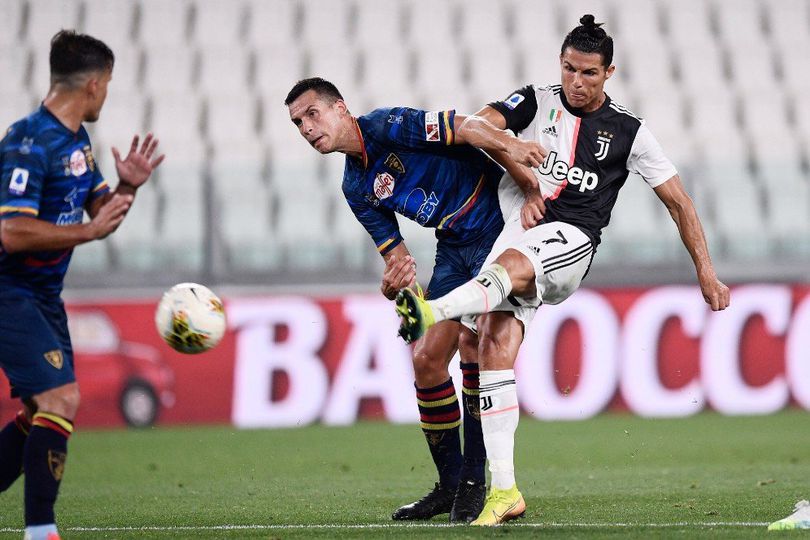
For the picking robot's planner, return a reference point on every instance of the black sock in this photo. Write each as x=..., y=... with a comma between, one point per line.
x=44, y=462
x=475, y=454
x=441, y=417
x=12, y=443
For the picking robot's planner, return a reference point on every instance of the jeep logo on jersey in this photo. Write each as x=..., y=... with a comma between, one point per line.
x=559, y=170
x=384, y=185
x=603, y=139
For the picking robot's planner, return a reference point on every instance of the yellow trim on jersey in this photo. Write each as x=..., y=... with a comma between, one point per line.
x=102, y=185
x=439, y=403
x=385, y=244
x=64, y=424
x=470, y=198
x=448, y=129
x=20, y=209
x=451, y=425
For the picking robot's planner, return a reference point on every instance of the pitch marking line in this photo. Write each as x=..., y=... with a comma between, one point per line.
x=552, y=525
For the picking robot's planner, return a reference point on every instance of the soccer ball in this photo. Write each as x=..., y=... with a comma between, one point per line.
x=190, y=318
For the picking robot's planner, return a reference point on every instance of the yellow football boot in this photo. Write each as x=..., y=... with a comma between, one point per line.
x=501, y=506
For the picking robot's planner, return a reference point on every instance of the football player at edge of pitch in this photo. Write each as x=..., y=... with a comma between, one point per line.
x=48, y=179
x=413, y=162
x=592, y=143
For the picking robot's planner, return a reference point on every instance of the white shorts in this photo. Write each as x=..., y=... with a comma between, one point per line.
x=560, y=253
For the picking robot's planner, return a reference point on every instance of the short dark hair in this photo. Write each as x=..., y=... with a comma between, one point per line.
x=323, y=87
x=590, y=37
x=75, y=54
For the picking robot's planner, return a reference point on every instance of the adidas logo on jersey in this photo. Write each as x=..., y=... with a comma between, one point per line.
x=559, y=170
x=550, y=130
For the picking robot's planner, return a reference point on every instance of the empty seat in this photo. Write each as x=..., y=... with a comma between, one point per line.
x=740, y=220
x=635, y=23
x=740, y=22
x=121, y=118
x=273, y=23
x=223, y=71
x=14, y=106
x=15, y=65
x=687, y=22
x=440, y=75
x=650, y=66
x=165, y=24
x=11, y=24
x=378, y=24
x=492, y=69
x=787, y=22
x=303, y=229
x=325, y=22
x=701, y=67
x=231, y=117
x=379, y=81
x=792, y=61
x=712, y=115
x=175, y=117
x=483, y=18
x=135, y=239
x=534, y=27
x=111, y=21
x=752, y=65
x=220, y=23
x=337, y=63
x=432, y=24
x=47, y=17
x=277, y=69
x=174, y=73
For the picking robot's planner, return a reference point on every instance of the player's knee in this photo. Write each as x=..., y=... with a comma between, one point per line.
x=520, y=270
x=63, y=401
x=468, y=346
x=427, y=368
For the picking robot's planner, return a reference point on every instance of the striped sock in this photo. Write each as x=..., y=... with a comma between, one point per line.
x=12, y=443
x=499, y=420
x=440, y=418
x=477, y=296
x=44, y=462
x=475, y=454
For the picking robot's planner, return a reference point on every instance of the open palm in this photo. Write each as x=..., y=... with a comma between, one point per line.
x=136, y=168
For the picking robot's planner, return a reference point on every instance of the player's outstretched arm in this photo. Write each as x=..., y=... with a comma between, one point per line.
x=481, y=132
x=400, y=271
x=683, y=212
x=31, y=234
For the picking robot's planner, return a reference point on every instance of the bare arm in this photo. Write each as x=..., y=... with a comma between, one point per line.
x=487, y=125
x=32, y=234
x=683, y=212
x=400, y=271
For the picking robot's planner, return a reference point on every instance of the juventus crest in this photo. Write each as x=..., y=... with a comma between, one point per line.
x=603, y=139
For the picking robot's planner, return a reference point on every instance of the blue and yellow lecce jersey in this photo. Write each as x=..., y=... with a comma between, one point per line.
x=46, y=172
x=411, y=167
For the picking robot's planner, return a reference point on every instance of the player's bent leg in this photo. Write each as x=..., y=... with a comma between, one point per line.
x=44, y=457
x=799, y=519
x=440, y=418
x=469, y=500
x=500, y=336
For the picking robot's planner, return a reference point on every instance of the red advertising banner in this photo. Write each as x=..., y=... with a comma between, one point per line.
x=295, y=360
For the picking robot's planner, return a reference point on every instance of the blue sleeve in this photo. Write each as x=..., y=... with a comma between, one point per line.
x=99, y=186
x=381, y=223
x=413, y=128
x=25, y=165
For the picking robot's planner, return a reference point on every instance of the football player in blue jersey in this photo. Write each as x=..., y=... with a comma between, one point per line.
x=413, y=162
x=48, y=179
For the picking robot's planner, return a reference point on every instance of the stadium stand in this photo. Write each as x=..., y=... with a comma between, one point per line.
x=720, y=82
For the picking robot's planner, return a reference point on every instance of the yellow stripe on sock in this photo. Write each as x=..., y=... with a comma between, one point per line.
x=450, y=425
x=67, y=426
x=470, y=391
x=439, y=403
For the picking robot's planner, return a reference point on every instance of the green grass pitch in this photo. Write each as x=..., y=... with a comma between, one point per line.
x=610, y=477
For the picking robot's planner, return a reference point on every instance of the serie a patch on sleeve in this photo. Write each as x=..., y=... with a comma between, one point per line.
x=19, y=181
x=514, y=100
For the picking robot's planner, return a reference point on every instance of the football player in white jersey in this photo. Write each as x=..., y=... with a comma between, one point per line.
x=593, y=144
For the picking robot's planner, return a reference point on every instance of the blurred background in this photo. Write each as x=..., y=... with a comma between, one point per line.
x=244, y=205
x=242, y=199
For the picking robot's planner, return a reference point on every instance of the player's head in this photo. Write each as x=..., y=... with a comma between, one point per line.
x=320, y=114
x=586, y=60
x=82, y=64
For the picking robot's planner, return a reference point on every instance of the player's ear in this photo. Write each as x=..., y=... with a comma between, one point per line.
x=609, y=71
x=340, y=107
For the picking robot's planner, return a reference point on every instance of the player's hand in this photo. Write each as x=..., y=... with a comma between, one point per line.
x=534, y=208
x=529, y=153
x=715, y=292
x=398, y=274
x=110, y=216
x=135, y=169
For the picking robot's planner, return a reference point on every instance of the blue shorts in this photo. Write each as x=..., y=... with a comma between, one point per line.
x=35, y=350
x=458, y=264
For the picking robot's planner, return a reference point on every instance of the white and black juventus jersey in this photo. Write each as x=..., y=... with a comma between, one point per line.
x=590, y=154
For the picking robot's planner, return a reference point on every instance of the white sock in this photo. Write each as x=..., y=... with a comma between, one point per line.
x=39, y=532
x=477, y=296
x=497, y=396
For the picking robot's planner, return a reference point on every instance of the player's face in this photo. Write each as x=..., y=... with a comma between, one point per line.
x=97, y=94
x=318, y=121
x=583, y=78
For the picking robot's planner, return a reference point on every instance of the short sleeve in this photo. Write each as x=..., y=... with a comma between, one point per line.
x=417, y=129
x=24, y=169
x=99, y=185
x=518, y=109
x=648, y=160
x=380, y=223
